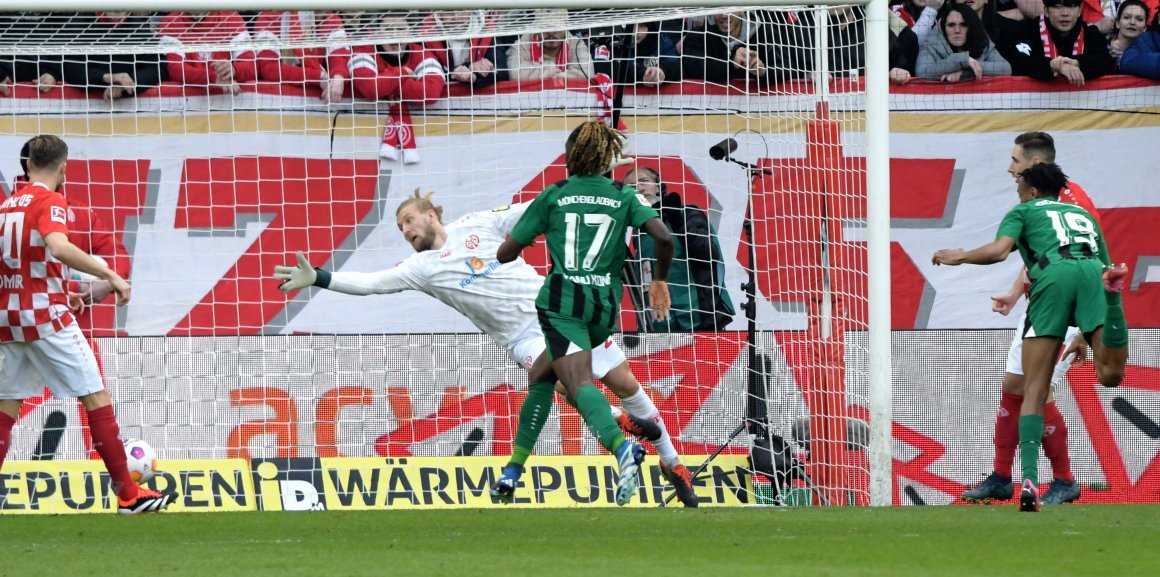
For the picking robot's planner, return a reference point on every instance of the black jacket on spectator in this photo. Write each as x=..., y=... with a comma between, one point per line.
x=904, y=50
x=845, y=44
x=88, y=70
x=708, y=52
x=1023, y=48
x=658, y=46
x=31, y=29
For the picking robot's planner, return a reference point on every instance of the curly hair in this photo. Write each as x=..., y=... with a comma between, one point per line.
x=592, y=148
x=421, y=202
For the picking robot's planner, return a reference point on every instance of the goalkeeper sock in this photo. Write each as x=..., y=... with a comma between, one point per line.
x=1030, y=435
x=533, y=414
x=1007, y=432
x=1055, y=442
x=107, y=442
x=1116, y=327
x=597, y=415
x=6, y=424
x=640, y=405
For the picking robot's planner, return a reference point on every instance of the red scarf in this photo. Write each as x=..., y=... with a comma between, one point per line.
x=900, y=10
x=1049, y=49
x=563, y=55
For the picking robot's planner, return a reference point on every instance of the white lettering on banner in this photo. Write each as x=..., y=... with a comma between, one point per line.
x=588, y=199
x=590, y=279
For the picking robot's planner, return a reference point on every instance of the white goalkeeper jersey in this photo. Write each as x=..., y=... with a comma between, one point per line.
x=465, y=275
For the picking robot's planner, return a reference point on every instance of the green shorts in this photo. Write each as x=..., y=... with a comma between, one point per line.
x=1066, y=293
x=567, y=335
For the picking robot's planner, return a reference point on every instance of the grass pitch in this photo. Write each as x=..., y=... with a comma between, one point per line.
x=1117, y=540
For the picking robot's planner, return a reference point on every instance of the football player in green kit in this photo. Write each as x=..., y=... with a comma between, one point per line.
x=1072, y=283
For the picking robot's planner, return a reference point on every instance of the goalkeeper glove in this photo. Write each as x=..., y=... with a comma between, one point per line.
x=619, y=160
x=295, y=277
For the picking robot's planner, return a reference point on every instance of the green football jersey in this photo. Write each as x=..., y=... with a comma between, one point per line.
x=584, y=220
x=1047, y=231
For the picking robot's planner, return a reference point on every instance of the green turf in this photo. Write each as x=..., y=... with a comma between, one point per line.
x=922, y=541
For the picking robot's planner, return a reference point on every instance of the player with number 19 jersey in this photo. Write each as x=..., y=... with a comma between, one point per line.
x=584, y=220
x=1064, y=251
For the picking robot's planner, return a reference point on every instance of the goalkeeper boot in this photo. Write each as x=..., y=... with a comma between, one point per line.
x=628, y=459
x=1114, y=277
x=504, y=490
x=1061, y=492
x=993, y=487
x=1029, y=497
x=638, y=427
x=147, y=501
x=682, y=481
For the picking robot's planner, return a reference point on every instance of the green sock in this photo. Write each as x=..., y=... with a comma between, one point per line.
x=1030, y=435
x=1115, y=326
x=533, y=413
x=598, y=415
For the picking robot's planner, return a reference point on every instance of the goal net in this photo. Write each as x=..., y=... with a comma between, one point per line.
x=216, y=145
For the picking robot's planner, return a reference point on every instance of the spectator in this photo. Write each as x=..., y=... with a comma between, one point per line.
x=1057, y=44
x=919, y=15
x=903, y=48
x=401, y=74
x=114, y=76
x=744, y=45
x=998, y=18
x=324, y=66
x=1142, y=58
x=556, y=54
x=1131, y=22
x=181, y=32
x=651, y=52
x=32, y=28
x=696, y=276
x=958, y=49
x=477, y=60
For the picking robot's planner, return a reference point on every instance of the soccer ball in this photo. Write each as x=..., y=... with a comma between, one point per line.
x=142, y=460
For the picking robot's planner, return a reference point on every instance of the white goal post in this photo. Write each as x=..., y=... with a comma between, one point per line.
x=347, y=125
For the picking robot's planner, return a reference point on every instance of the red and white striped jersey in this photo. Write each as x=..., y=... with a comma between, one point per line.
x=32, y=286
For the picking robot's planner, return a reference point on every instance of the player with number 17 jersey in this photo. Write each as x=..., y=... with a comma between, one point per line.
x=593, y=214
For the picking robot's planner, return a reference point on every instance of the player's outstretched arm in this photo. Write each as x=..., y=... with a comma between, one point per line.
x=1003, y=303
x=658, y=290
x=295, y=277
x=508, y=251
x=75, y=258
x=990, y=253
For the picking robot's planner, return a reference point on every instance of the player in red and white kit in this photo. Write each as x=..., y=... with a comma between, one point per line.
x=1033, y=148
x=324, y=66
x=225, y=69
x=39, y=337
x=401, y=74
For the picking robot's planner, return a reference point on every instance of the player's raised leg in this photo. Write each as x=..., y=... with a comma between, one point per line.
x=637, y=403
x=1110, y=342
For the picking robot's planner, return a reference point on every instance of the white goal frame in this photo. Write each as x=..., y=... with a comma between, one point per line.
x=877, y=161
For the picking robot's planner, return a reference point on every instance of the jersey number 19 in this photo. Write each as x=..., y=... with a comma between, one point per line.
x=1073, y=228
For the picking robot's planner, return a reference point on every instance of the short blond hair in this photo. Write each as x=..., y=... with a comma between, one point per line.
x=423, y=203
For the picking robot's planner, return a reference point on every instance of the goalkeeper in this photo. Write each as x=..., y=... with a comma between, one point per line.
x=583, y=219
x=500, y=300
x=1063, y=248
